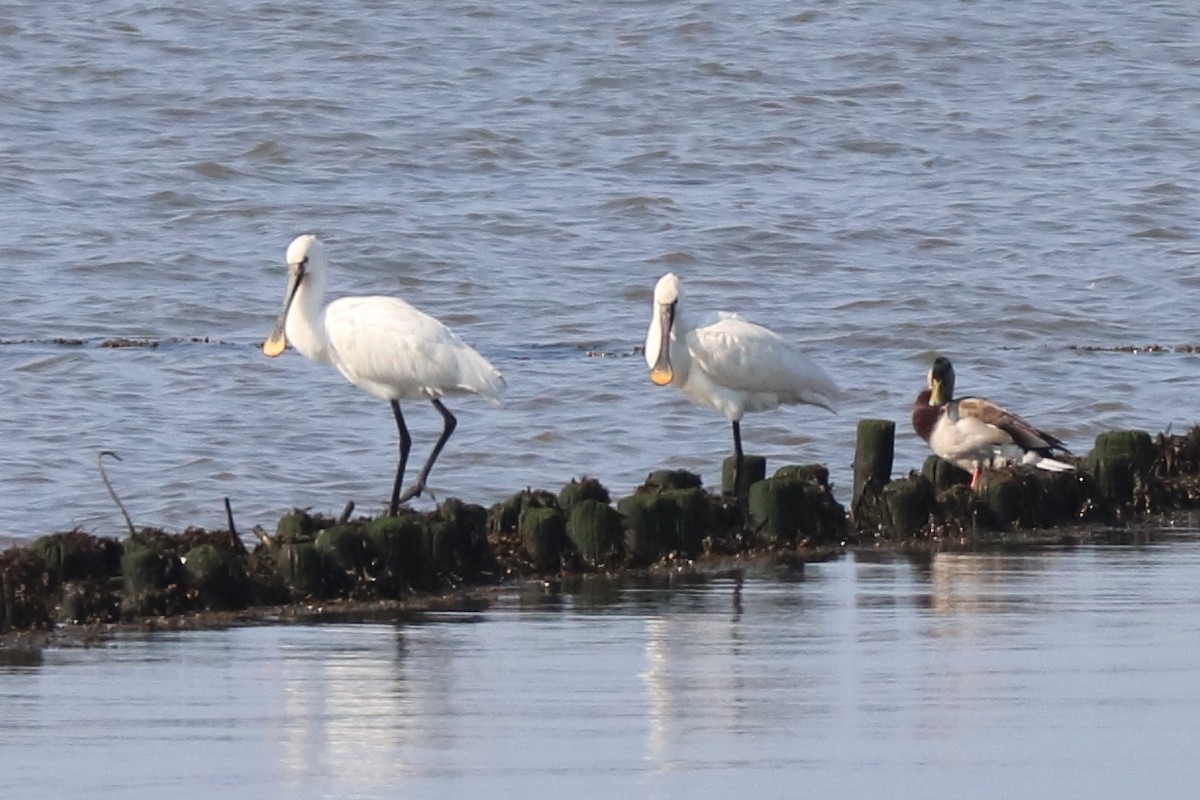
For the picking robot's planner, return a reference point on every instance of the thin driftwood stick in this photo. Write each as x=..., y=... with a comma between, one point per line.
x=112, y=492
x=235, y=540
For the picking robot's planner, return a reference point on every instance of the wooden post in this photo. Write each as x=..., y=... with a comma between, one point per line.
x=664, y=480
x=693, y=518
x=217, y=577
x=403, y=559
x=906, y=504
x=777, y=509
x=650, y=526
x=598, y=532
x=584, y=489
x=544, y=537
x=873, y=455
x=1006, y=496
x=942, y=474
x=754, y=469
x=1122, y=463
x=813, y=473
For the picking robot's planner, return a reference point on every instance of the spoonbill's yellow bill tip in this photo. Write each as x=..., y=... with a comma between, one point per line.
x=661, y=377
x=274, y=346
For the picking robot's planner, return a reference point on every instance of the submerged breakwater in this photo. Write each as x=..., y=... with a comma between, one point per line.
x=670, y=520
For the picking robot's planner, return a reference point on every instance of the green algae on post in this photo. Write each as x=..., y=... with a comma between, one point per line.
x=403, y=561
x=544, y=536
x=776, y=507
x=1010, y=497
x=662, y=480
x=458, y=542
x=598, y=532
x=942, y=474
x=297, y=561
x=693, y=518
x=874, y=451
x=505, y=516
x=651, y=531
x=906, y=505
x=1123, y=466
x=754, y=469
x=217, y=577
x=153, y=577
x=78, y=556
x=346, y=555
x=786, y=509
x=584, y=489
x=813, y=473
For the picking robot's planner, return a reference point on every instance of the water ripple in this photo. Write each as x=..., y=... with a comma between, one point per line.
x=879, y=182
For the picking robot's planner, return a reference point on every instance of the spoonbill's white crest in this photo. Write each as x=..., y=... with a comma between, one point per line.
x=729, y=364
x=974, y=433
x=383, y=346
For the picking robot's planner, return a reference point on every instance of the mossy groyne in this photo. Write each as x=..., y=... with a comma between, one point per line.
x=75, y=578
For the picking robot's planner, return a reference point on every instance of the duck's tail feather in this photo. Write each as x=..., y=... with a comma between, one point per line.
x=1054, y=465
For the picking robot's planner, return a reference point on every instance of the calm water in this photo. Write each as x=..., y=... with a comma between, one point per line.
x=1065, y=673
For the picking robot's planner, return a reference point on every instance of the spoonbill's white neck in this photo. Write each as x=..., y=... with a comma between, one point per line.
x=306, y=317
x=666, y=349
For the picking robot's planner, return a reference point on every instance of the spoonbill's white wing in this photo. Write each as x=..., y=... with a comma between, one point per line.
x=743, y=356
x=388, y=347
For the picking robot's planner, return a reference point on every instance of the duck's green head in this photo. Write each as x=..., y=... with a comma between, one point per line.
x=941, y=381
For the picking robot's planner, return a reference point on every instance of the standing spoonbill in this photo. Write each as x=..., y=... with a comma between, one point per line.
x=729, y=364
x=973, y=433
x=383, y=346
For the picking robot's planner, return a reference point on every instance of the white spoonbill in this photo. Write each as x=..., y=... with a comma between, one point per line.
x=974, y=433
x=729, y=364
x=383, y=346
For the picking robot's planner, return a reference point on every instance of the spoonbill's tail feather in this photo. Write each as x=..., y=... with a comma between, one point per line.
x=824, y=396
x=480, y=377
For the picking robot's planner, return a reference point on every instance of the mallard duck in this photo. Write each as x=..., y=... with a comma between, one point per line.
x=974, y=433
x=727, y=363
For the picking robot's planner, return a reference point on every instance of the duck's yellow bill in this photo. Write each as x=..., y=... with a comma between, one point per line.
x=661, y=376
x=275, y=344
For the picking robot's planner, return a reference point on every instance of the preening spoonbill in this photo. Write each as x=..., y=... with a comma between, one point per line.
x=974, y=433
x=383, y=346
x=729, y=364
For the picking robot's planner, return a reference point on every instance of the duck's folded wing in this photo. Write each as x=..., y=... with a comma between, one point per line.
x=1022, y=433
